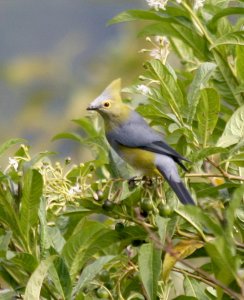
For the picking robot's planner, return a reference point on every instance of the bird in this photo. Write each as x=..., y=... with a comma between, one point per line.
x=137, y=143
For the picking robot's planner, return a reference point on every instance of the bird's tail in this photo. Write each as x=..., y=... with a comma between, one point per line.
x=181, y=192
x=177, y=185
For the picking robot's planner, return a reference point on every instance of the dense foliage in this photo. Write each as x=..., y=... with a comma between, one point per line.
x=87, y=232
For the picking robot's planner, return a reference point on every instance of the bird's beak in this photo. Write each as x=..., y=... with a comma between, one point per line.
x=92, y=107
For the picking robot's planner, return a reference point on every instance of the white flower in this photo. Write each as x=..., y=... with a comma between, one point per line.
x=198, y=4
x=13, y=163
x=162, y=40
x=157, y=4
x=155, y=53
x=143, y=89
x=178, y=1
x=74, y=190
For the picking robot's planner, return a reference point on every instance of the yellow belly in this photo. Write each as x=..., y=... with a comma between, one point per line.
x=139, y=159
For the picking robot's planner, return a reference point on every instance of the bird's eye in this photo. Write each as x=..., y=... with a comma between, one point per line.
x=106, y=104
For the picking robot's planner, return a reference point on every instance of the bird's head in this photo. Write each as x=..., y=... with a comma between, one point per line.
x=109, y=103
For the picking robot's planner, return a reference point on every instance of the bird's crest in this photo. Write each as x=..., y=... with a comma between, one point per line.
x=113, y=90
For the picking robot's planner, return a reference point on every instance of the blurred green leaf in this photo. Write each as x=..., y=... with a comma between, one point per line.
x=232, y=38
x=67, y=135
x=7, y=294
x=223, y=13
x=5, y=146
x=185, y=298
x=224, y=260
x=149, y=262
x=234, y=129
x=5, y=239
x=132, y=15
x=237, y=159
x=239, y=63
x=87, y=126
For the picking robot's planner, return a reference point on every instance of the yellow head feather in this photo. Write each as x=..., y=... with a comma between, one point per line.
x=110, y=106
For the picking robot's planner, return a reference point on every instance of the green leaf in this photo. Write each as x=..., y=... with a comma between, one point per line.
x=34, y=285
x=193, y=288
x=44, y=240
x=5, y=146
x=232, y=38
x=199, y=219
x=67, y=135
x=61, y=278
x=90, y=271
x=30, y=201
x=213, y=191
x=223, y=13
x=207, y=113
x=162, y=224
x=234, y=129
x=202, y=76
x=5, y=239
x=91, y=238
x=205, y=152
x=132, y=15
x=9, y=217
x=185, y=298
x=24, y=262
x=7, y=295
x=87, y=126
x=224, y=259
x=170, y=89
x=225, y=80
x=149, y=262
x=237, y=159
x=180, y=251
x=240, y=63
x=233, y=206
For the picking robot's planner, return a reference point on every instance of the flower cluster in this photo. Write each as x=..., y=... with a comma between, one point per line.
x=145, y=90
x=160, y=50
x=161, y=4
x=157, y=4
x=198, y=4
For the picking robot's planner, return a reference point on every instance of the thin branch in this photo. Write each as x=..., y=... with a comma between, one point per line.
x=190, y=274
x=204, y=275
x=225, y=175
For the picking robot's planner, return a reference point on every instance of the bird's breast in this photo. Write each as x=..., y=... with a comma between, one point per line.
x=139, y=159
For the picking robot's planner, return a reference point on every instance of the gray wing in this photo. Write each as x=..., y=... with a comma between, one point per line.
x=136, y=133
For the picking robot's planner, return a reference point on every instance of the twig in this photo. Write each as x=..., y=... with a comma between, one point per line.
x=223, y=172
x=229, y=176
x=190, y=274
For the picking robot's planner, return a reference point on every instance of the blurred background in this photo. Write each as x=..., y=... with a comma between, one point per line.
x=55, y=57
